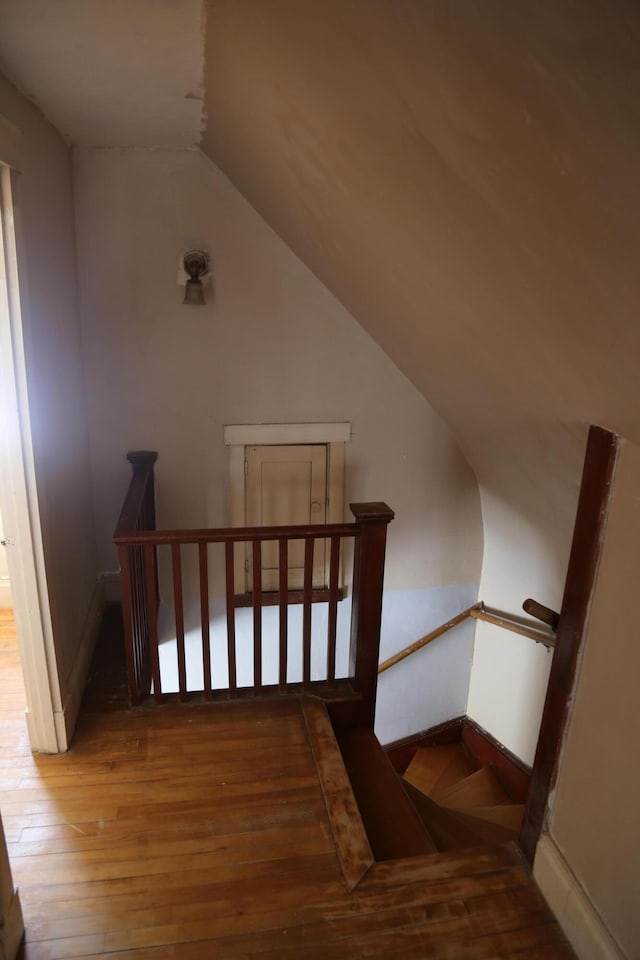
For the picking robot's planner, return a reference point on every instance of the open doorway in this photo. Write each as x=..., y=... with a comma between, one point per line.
x=22, y=547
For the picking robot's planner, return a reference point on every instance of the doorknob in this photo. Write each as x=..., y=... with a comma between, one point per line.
x=315, y=506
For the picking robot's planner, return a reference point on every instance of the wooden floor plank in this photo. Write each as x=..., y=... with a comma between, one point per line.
x=201, y=833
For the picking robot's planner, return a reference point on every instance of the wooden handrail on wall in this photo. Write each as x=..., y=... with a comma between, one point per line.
x=478, y=612
x=509, y=622
x=428, y=638
x=138, y=542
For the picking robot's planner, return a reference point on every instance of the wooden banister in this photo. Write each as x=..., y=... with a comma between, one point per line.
x=237, y=534
x=138, y=542
x=479, y=612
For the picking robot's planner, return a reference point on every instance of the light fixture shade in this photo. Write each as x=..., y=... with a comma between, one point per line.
x=194, y=293
x=196, y=265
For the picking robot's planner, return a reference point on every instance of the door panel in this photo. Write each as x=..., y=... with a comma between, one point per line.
x=286, y=485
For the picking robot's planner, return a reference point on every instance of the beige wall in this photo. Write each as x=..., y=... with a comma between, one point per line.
x=54, y=371
x=464, y=178
x=594, y=821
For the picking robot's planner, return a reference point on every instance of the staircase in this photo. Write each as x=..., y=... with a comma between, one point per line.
x=445, y=801
x=460, y=803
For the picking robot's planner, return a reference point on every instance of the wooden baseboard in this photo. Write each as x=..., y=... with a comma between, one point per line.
x=76, y=680
x=574, y=911
x=513, y=774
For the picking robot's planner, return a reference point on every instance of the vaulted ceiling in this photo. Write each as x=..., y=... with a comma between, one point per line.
x=463, y=177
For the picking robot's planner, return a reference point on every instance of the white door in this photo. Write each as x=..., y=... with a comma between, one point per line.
x=286, y=485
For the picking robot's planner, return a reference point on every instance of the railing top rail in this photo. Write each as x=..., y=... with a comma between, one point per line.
x=129, y=537
x=133, y=504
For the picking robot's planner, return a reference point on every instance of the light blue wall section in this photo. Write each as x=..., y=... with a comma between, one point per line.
x=431, y=685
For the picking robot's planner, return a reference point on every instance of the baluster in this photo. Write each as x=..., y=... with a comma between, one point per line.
x=306, y=610
x=179, y=611
x=136, y=613
x=231, y=617
x=257, y=614
x=334, y=570
x=283, y=556
x=204, y=618
x=127, y=620
x=150, y=571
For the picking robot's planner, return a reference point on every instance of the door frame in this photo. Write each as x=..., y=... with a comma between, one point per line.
x=18, y=490
x=239, y=436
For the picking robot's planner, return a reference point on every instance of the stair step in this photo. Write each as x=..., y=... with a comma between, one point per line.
x=436, y=768
x=509, y=815
x=393, y=826
x=479, y=789
x=453, y=830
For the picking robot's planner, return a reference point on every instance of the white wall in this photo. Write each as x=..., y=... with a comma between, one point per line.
x=272, y=345
x=588, y=863
x=51, y=331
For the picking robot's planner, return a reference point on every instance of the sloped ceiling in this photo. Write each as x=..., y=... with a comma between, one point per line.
x=464, y=177
x=109, y=72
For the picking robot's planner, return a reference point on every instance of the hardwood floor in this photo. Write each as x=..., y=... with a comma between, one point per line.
x=200, y=832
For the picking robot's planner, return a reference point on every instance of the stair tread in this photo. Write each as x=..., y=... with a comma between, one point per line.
x=393, y=826
x=455, y=830
x=434, y=768
x=479, y=789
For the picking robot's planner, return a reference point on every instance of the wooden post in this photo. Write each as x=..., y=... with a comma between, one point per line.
x=142, y=462
x=588, y=538
x=366, y=608
x=138, y=513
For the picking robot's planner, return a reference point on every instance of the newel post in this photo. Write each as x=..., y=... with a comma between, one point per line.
x=366, y=608
x=142, y=462
x=138, y=513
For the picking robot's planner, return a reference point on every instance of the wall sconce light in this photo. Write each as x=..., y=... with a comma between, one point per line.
x=196, y=265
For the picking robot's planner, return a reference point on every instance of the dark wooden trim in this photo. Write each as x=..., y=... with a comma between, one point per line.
x=234, y=534
x=271, y=598
x=339, y=693
x=401, y=752
x=366, y=604
x=513, y=774
x=591, y=518
x=542, y=613
x=349, y=833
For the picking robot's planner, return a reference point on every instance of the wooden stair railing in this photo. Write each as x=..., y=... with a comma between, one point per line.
x=496, y=617
x=138, y=542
